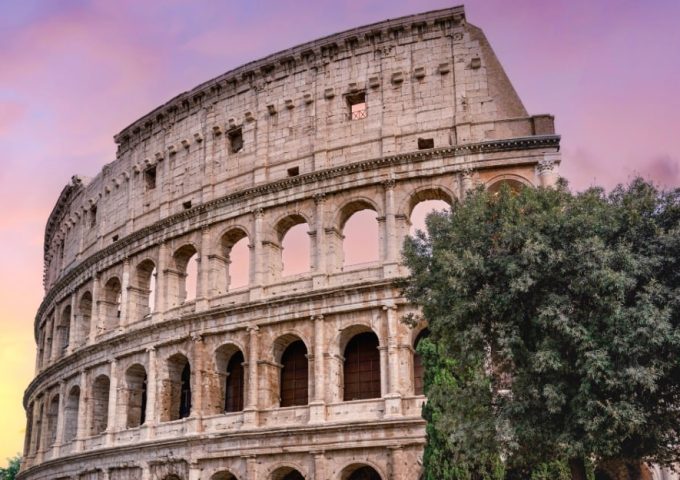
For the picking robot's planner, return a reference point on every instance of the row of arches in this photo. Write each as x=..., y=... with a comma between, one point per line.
x=232, y=266
x=94, y=413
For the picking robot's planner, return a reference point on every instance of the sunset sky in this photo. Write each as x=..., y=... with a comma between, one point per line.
x=74, y=73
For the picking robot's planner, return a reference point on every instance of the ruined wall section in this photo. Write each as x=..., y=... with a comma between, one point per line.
x=428, y=76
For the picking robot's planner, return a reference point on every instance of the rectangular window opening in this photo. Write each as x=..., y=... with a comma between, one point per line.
x=93, y=216
x=187, y=205
x=235, y=140
x=150, y=177
x=357, y=106
x=114, y=239
x=425, y=143
x=294, y=171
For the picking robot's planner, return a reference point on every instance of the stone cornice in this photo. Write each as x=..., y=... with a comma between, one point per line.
x=506, y=145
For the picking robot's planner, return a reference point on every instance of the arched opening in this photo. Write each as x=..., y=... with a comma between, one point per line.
x=100, y=405
x=235, y=249
x=186, y=271
x=38, y=428
x=294, y=375
x=177, y=400
x=287, y=473
x=229, y=363
x=361, y=370
x=143, y=291
x=360, y=472
x=136, y=386
x=418, y=367
x=294, y=241
x=515, y=185
x=111, y=303
x=360, y=234
x=64, y=331
x=52, y=420
x=422, y=209
x=71, y=414
x=223, y=476
x=84, y=318
x=29, y=430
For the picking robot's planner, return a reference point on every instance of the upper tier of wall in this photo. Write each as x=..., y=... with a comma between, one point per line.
x=428, y=76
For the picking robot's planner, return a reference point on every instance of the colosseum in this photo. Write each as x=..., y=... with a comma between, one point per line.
x=143, y=372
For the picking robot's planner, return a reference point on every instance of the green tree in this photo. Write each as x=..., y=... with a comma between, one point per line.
x=12, y=470
x=556, y=318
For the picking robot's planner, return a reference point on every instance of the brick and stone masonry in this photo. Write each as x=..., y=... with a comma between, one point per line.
x=305, y=376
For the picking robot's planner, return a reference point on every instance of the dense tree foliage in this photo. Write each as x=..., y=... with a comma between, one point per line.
x=12, y=470
x=554, y=331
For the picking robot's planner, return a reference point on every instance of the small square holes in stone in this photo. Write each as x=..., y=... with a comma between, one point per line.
x=235, y=140
x=186, y=205
x=150, y=178
x=293, y=171
x=425, y=143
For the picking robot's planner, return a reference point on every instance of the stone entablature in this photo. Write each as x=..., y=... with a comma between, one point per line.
x=134, y=379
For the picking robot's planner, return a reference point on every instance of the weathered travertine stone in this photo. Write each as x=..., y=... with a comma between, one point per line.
x=381, y=117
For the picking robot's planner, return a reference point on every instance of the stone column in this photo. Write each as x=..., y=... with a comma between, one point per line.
x=466, y=181
x=257, y=257
x=94, y=319
x=194, y=471
x=203, y=283
x=317, y=407
x=55, y=350
x=60, y=419
x=151, y=387
x=547, y=171
x=112, y=425
x=320, y=249
x=161, y=282
x=73, y=326
x=319, y=465
x=393, y=398
x=397, y=463
x=197, y=379
x=125, y=295
x=250, y=412
x=383, y=370
x=81, y=433
x=390, y=229
x=146, y=471
x=251, y=467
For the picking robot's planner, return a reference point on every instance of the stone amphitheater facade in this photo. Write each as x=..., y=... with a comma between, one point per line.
x=307, y=376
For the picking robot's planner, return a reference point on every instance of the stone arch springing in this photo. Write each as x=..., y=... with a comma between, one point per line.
x=360, y=471
x=294, y=376
x=234, y=260
x=361, y=369
x=71, y=414
x=229, y=362
x=424, y=201
x=100, y=405
x=418, y=367
x=223, y=475
x=52, y=420
x=359, y=232
x=143, y=290
x=294, y=247
x=287, y=473
x=64, y=331
x=184, y=276
x=84, y=318
x=135, y=395
x=111, y=303
x=177, y=389
x=514, y=182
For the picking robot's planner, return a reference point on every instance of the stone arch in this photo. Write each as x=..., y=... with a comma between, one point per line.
x=52, y=419
x=292, y=257
x=359, y=232
x=183, y=276
x=39, y=427
x=361, y=471
x=427, y=198
x=226, y=262
x=286, y=472
x=142, y=289
x=83, y=318
x=231, y=375
x=418, y=367
x=110, y=302
x=135, y=395
x=515, y=182
x=223, y=475
x=361, y=365
x=290, y=371
x=176, y=402
x=71, y=413
x=100, y=404
x=63, y=331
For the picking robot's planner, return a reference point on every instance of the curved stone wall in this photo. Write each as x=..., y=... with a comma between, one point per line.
x=308, y=375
